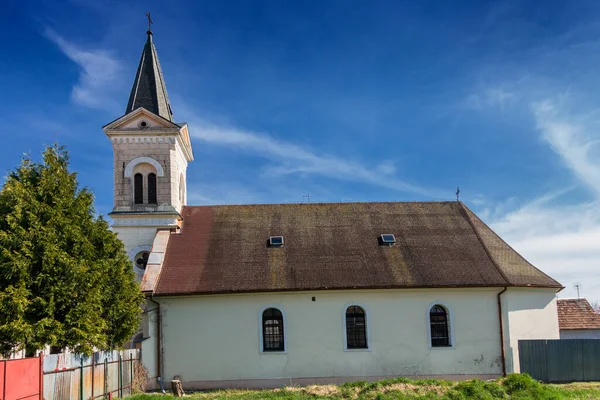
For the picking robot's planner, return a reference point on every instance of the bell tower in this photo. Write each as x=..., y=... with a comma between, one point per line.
x=151, y=154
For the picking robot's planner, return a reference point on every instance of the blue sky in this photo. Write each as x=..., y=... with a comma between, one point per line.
x=345, y=100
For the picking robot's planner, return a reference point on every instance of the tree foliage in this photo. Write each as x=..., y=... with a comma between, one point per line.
x=65, y=279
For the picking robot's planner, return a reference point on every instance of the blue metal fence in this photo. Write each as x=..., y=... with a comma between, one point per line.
x=573, y=360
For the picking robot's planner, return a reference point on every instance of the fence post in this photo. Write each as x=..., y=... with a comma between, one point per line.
x=120, y=376
x=105, y=378
x=4, y=380
x=41, y=377
x=130, y=373
x=81, y=379
x=93, y=374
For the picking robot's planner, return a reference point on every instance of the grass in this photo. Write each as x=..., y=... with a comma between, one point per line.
x=515, y=386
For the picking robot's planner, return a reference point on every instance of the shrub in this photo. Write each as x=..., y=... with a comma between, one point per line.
x=523, y=386
x=473, y=389
x=495, y=390
x=477, y=389
x=519, y=382
x=453, y=394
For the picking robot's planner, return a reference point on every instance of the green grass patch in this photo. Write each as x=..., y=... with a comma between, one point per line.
x=515, y=386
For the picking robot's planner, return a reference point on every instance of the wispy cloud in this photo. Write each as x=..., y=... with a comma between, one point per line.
x=575, y=139
x=100, y=77
x=291, y=158
x=490, y=97
x=561, y=238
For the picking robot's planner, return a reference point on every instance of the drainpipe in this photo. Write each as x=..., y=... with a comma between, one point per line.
x=158, y=345
x=501, y=331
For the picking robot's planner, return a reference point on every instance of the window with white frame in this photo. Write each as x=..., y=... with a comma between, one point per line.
x=356, y=328
x=272, y=330
x=439, y=326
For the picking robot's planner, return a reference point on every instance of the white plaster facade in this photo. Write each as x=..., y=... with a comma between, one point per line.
x=214, y=340
x=528, y=313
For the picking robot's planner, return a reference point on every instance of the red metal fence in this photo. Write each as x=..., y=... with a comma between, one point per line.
x=69, y=376
x=21, y=379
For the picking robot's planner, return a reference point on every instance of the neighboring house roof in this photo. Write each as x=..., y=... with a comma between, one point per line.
x=223, y=249
x=577, y=314
x=149, y=90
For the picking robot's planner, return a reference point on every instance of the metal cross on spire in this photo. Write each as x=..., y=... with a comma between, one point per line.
x=150, y=22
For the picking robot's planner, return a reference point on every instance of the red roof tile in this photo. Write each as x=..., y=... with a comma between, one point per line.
x=577, y=314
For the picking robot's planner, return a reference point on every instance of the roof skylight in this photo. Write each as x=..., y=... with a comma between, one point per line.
x=275, y=241
x=387, y=238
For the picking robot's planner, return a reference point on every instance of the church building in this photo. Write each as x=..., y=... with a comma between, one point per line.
x=277, y=294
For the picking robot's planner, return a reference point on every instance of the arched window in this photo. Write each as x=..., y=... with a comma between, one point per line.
x=138, y=189
x=272, y=330
x=152, y=188
x=439, y=326
x=356, y=328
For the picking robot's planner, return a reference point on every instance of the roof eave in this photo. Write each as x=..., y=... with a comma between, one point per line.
x=314, y=289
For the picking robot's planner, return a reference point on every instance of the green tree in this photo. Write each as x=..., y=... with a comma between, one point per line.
x=65, y=279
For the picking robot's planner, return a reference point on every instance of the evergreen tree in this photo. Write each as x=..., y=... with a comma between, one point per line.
x=65, y=279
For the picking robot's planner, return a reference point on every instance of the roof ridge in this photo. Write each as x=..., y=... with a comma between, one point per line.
x=509, y=246
x=325, y=203
x=572, y=299
x=163, y=85
x=487, y=251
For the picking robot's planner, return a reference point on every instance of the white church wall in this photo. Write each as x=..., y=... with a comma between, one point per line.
x=135, y=237
x=150, y=345
x=530, y=313
x=217, y=338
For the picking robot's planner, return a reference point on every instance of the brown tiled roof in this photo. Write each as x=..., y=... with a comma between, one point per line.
x=223, y=249
x=514, y=267
x=577, y=314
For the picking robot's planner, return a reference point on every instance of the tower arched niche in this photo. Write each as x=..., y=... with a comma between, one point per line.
x=144, y=184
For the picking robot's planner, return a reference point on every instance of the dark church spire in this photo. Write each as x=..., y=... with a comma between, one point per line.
x=149, y=90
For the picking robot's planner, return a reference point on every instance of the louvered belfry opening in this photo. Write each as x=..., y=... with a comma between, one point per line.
x=272, y=321
x=152, y=189
x=138, y=189
x=356, y=328
x=438, y=319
